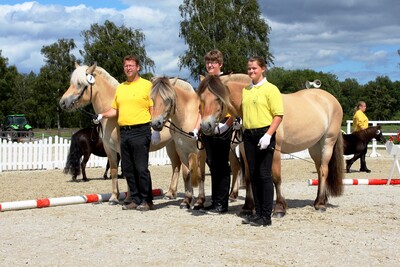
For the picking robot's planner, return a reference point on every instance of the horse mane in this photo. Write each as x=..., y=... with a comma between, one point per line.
x=368, y=133
x=79, y=76
x=163, y=86
x=216, y=86
x=181, y=83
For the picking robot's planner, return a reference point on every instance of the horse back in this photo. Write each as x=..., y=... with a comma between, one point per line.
x=310, y=115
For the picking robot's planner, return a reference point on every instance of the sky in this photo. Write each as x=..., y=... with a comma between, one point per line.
x=354, y=39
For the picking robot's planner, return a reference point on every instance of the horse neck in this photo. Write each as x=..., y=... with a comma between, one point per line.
x=235, y=98
x=103, y=95
x=367, y=134
x=186, y=108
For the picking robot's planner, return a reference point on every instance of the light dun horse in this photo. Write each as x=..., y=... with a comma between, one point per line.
x=176, y=102
x=100, y=93
x=312, y=121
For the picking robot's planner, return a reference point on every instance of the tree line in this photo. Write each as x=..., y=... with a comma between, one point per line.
x=235, y=28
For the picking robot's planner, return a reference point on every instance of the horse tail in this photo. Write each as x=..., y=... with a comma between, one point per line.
x=194, y=169
x=72, y=166
x=336, y=169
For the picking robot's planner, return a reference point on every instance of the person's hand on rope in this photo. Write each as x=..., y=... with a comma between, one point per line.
x=264, y=141
x=155, y=137
x=97, y=118
x=237, y=125
x=195, y=134
x=221, y=128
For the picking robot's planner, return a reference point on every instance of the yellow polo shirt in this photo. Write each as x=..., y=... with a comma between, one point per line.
x=360, y=121
x=260, y=104
x=133, y=102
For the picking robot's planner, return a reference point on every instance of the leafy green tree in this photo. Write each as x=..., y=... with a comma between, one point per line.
x=235, y=27
x=108, y=45
x=381, y=104
x=351, y=90
x=8, y=78
x=53, y=80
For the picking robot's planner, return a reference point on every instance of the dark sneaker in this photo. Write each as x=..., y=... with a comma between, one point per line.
x=217, y=210
x=261, y=221
x=365, y=170
x=248, y=218
x=206, y=209
x=130, y=206
x=145, y=206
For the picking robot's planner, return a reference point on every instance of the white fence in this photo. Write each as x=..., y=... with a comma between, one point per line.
x=51, y=153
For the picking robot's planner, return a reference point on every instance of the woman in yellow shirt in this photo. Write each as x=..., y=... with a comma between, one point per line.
x=360, y=122
x=262, y=108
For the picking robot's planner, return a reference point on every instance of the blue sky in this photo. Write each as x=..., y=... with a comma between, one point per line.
x=350, y=38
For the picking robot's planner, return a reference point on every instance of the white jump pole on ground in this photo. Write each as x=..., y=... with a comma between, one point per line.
x=361, y=181
x=51, y=202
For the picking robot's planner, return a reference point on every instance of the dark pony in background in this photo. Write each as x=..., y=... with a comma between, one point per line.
x=84, y=143
x=357, y=143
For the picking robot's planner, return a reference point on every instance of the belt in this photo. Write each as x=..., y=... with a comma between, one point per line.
x=257, y=130
x=130, y=127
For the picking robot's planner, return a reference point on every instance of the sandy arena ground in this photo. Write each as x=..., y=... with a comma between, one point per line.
x=360, y=228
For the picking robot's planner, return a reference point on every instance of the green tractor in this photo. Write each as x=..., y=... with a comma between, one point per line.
x=16, y=126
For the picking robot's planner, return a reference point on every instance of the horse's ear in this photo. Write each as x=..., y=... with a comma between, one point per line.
x=202, y=77
x=174, y=81
x=92, y=68
x=76, y=65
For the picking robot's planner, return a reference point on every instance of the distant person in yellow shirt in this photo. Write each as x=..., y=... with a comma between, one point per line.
x=360, y=122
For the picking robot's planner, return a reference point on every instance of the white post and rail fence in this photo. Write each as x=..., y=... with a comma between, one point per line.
x=51, y=153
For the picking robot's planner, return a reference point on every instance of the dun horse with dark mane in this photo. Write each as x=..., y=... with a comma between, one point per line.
x=312, y=121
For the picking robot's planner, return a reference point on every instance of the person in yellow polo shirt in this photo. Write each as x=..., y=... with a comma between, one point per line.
x=360, y=122
x=132, y=105
x=262, y=108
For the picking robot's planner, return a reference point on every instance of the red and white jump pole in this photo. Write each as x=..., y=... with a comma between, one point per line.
x=361, y=181
x=61, y=201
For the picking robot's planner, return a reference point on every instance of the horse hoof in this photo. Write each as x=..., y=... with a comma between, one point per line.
x=198, y=207
x=232, y=199
x=85, y=180
x=184, y=206
x=279, y=214
x=113, y=202
x=168, y=197
x=348, y=170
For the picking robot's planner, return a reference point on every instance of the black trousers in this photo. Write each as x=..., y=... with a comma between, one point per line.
x=135, y=144
x=217, y=149
x=260, y=167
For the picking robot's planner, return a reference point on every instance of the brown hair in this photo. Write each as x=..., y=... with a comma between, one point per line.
x=133, y=58
x=260, y=61
x=214, y=55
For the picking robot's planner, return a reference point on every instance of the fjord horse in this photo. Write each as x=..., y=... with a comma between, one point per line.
x=312, y=121
x=357, y=143
x=176, y=102
x=100, y=92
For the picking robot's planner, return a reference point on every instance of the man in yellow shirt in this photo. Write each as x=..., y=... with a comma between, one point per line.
x=132, y=105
